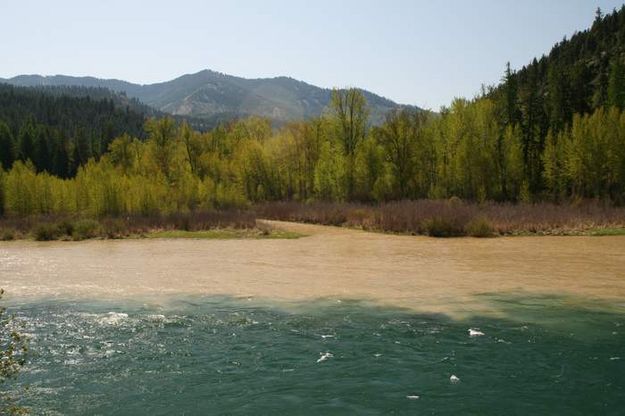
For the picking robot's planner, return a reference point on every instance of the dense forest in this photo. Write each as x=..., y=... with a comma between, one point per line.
x=579, y=76
x=552, y=131
x=59, y=129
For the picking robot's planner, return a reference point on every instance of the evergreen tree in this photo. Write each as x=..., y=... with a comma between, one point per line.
x=616, y=84
x=7, y=147
x=510, y=86
x=26, y=142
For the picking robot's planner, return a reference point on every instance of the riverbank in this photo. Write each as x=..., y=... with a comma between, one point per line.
x=434, y=218
x=457, y=218
x=232, y=224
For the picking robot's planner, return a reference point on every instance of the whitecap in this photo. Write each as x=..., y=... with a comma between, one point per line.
x=413, y=397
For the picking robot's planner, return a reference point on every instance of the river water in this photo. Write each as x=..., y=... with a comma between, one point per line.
x=338, y=322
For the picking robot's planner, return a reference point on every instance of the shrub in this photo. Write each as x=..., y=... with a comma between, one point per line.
x=46, y=232
x=114, y=228
x=443, y=227
x=7, y=235
x=84, y=229
x=65, y=228
x=480, y=227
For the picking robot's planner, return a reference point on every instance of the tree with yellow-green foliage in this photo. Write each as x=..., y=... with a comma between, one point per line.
x=350, y=116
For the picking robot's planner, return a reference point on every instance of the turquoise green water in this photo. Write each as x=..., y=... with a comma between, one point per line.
x=235, y=357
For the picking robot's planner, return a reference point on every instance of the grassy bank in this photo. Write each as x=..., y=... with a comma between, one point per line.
x=453, y=218
x=204, y=225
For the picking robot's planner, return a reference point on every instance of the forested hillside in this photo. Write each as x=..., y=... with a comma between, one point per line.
x=60, y=129
x=579, y=76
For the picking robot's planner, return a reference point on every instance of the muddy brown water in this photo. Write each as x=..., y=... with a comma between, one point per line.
x=420, y=273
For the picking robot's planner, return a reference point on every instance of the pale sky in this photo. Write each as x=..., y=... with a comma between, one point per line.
x=413, y=52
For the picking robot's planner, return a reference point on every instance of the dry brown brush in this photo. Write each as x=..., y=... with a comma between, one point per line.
x=454, y=217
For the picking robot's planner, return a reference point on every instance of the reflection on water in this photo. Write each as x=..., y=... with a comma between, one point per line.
x=200, y=355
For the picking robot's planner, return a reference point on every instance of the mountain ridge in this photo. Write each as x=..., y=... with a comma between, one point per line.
x=216, y=96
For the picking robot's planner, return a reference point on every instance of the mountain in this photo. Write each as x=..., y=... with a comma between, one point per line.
x=214, y=96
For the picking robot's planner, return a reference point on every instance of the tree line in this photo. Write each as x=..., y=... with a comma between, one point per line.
x=463, y=152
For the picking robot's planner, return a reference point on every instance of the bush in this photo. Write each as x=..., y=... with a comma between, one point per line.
x=65, y=228
x=480, y=227
x=114, y=228
x=7, y=235
x=46, y=232
x=84, y=229
x=443, y=227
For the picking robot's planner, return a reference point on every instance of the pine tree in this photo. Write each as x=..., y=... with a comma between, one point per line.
x=616, y=84
x=511, y=95
x=26, y=142
x=7, y=155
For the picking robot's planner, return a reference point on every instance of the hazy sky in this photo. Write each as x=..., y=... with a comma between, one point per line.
x=415, y=52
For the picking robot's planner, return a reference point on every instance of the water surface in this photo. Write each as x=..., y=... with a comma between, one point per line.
x=420, y=273
x=230, y=356
x=341, y=322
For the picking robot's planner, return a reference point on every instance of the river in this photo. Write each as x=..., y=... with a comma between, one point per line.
x=338, y=322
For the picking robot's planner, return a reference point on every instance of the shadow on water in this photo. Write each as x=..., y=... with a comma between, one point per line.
x=218, y=355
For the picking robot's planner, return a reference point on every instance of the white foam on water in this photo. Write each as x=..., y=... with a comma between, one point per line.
x=475, y=332
x=413, y=397
x=454, y=379
x=113, y=318
x=156, y=318
x=324, y=356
